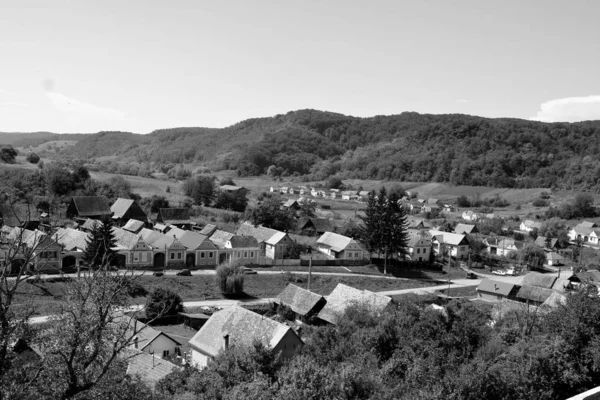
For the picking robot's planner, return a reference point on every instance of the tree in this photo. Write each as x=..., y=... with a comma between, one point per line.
x=335, y=182
x=33, y=158
x=235, y=201
x=230, y=279
x=163, y=302
x=227, y=181
x=155, y=203
x=307, y=209
x=201, y=189
x=270, y=214
x=100, y=245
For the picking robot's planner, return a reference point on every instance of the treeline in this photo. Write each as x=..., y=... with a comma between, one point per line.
x=412, y=352
x=453, y=148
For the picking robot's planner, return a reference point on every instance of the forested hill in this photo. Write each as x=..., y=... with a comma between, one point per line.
x=452, y=148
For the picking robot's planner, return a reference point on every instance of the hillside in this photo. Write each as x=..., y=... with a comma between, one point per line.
x=459, y=149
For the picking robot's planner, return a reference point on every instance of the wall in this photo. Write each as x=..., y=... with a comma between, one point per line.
x=199, y=360
x=160, y=344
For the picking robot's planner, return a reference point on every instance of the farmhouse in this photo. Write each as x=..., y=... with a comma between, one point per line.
x=465, y=229
x=45, y=251
x=344, y=296
x=236, y=326
x=502, y=247
x=541, y=241
x=125, y=209
x=337, y=246
x=148, y=368
x=233, y=189
x=208, y=230
x=94, y=207
x=291, y=204
x=314, y=226
x=151, y=341
x=470, y=216
x=419, y=248
x=303, y=303
x=495, y=290
x=554, y=259
x=451, y=244
x=273, y=243
x=529, y=225
x=244, y=249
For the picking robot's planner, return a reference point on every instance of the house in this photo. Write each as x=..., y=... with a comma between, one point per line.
x=432, y=201
x=349, y=195
x=94, y=207
x=314, y=226
x=417, y=223
x=502, y=247
x=533, y=295
x=495, y=290
x=147, y=367
x=273, y=243
x=193, y=321
x=586, y=224
x=470, y=216
x=243, y=249
x=219, y=238
x=305, y=304
x=293, y=190
x=43, y=252
x=73, y=243
x=133, y=226
x=314, y=192
x=338, y=246
x=273, y=189
x=448, y=208
x=529, y=225
x=90, y=224
x=140, y=255
x=452, y=244
x=179, y=217
x=427, y=208
x=363, y=195
x=150, y=340
x=162, y=228
x=344, y=296
x=233, y=189
x=200, y=251
x=291, y=204
x=554, y=259
x=465, y=229
x=419, y=248
x=237, y=327
x=125, y=209
x=283, y=190
x=541, y=241
x=590, y=277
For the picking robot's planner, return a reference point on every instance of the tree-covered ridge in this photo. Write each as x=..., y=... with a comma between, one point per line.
x=454, y=148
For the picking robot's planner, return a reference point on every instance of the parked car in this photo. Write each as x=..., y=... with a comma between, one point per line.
x=511, y=272
x=471, y=275
x=248, y=271
x=158, y=273
x=184, y=272
x=499, y=272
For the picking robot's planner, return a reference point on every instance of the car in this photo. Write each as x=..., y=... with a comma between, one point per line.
x=158, y=273
x=511, y=272
x=471, y=275
x=184, y=272
x=248, y=271
x=499, y=272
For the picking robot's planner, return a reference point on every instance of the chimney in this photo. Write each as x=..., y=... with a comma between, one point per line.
x=226, y=342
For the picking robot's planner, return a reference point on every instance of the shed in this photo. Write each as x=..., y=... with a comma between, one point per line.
x=495, y=290
x=193, y=320
x=302, y=302
x=94, y=207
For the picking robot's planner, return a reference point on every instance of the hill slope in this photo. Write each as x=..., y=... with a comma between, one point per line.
x=454, y=148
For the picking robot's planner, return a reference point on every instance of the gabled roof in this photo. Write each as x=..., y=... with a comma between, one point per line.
x=418, y=241
x=125, y=240
x=585, y=224
x=150, y=236
x=452, y=239
x=591, y=275
x=163, y=242
x=71, y=239
x=532, y=224
x=541, y=242
x=90, y=224
x=174, y=216
x=539, y=280
x=431, y=200
x=276, y=238
x=231, y=188
x=219, y=238
x=555, y=299
x=554, y=256
x=534, y=293
x=334, y=241
x=120, y=207
x=291, y=203
x=133, y=225
x=343, y=296
x=241, y=242
x=191, y=240
x=465, y=228
x=261, y=233
x=243, y=328
x=497, y=287
x=91, y=205
x=149, y=368
x=175, y=232
x=301, y=301
x=208, y=230
x=321, y=225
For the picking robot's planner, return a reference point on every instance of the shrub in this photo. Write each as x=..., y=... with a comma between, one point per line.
x=163, y=302
x=33, y=158
x=286, y=312
x=540, y=203
x=230, y=279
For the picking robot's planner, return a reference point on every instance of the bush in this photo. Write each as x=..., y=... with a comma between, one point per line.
x=163, y=302
x=33, y=158
x=230, y=279
x=540, y=203
x=286, y=312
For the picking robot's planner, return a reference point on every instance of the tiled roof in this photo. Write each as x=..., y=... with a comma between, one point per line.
x=243, y=327
x=290, y=203
x=555, y=299
x=541, y=241
x=149, y=368
x=231, y=188
x=589, y=276
x=239, y=242
x=321, y=225
x=276, y=238
x=301, y=301
x=534, y=293
x=208, y=230
x=261, y=233
x=334, y=241
x=497, y=287
x=191, y=240
x=133, y=225
x=71, y=239
x=219, y=238
x=343, y=296
x=150, y=236
x=125, y=239
x=90, y=224
x=120, y=207
x=539, y=280
x=91, y=205
x=453, y=239
x=586, y=224
x=464, y=228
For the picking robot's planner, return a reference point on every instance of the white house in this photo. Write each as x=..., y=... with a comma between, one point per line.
x=456, y=245
x=419, y=248
x=338, y=246
x=236, y=326
x=470, y=216
x=529, y=225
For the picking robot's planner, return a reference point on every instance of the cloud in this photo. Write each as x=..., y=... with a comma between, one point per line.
x=569, y=109
x=462, y=101
x=12, y=104
x=79, y=108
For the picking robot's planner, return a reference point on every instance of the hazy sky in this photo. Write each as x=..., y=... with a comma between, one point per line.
x=85, y=66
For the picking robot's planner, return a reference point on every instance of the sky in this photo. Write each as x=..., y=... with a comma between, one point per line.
x=85, y=66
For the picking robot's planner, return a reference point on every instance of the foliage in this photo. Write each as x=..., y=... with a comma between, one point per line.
x=582, y=206
x=539, y=203
x=155, y=203
x=335, y=182
x=270, y=214
x=100, y=245
x=230, y=279
x=307, y=209
x=555, y=228
x=235, y=201
x=8, y=154
x=227, y=181
x=163, y=302
x=201, y=189
x=33, y=158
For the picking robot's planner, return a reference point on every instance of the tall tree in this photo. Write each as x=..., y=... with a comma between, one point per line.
x=100, y=245
x=270, y=214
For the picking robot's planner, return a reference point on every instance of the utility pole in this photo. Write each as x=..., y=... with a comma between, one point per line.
x=309, y=266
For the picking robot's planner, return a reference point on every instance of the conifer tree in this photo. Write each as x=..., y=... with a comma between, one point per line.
x=100, y=243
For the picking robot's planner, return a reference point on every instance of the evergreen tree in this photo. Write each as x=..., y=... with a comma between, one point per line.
x=100, y=243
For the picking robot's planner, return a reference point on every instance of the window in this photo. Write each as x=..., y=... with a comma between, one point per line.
x=172, y=256
x=165, y=353
x=238, y=254
x=245, y=254
x=136, y=256
x=418, y=250
x=210, y=254
x=179, y=256
x=201, y=254
x=252, y=254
